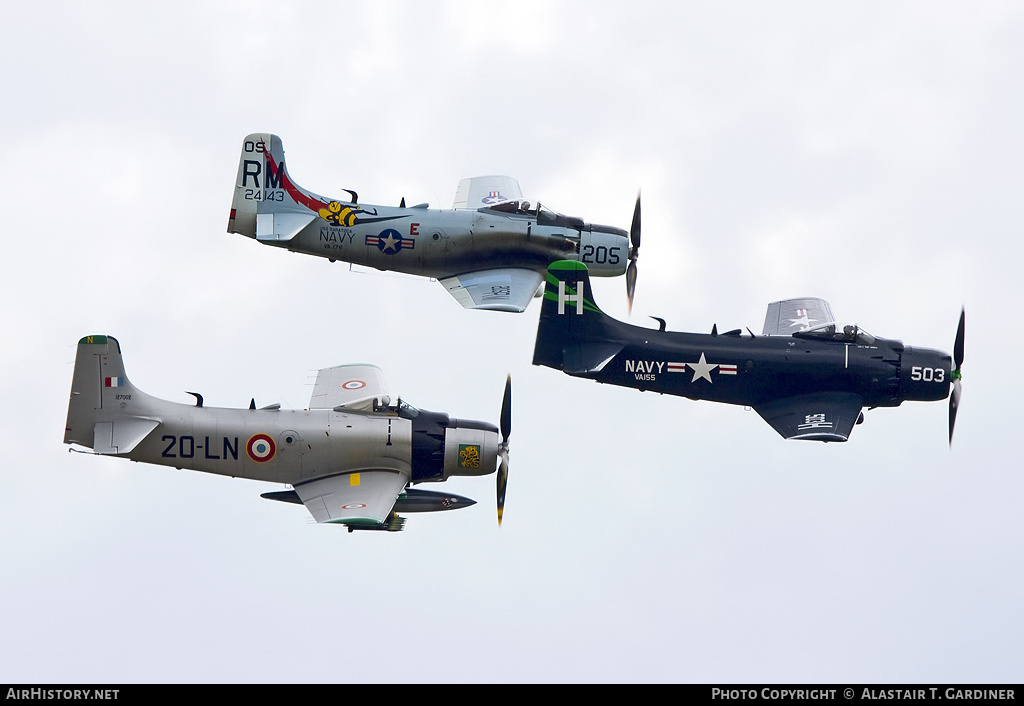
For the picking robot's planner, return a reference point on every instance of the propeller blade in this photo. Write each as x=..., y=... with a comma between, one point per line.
x=958, y=359
x=958, y=345
x=630, y=283
x=954, y=404
x=505, y=424
x=634, y=253
x=634, y=228
x=502, y=482
x=506, y=411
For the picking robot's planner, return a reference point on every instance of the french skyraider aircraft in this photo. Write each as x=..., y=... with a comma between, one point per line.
x=350, y=458
x=806, y=375
x=490, y=251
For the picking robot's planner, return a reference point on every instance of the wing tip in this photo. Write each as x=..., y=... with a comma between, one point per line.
x=819, y=436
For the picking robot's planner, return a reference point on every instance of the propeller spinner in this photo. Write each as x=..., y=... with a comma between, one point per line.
x=958, y=359
x=634, y=252
x=506, y=428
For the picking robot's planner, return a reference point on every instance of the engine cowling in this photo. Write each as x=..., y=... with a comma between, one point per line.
x=604, y=250
x=443, y=446
x=925, y=374
x=470, y=448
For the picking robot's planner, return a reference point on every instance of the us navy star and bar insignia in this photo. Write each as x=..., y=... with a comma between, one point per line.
x=390, y=241
x=701, y=369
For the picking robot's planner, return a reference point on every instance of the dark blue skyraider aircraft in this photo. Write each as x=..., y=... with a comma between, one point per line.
x=806, y=375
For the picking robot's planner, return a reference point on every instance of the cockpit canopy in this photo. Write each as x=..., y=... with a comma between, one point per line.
x=543, y=214
x=402, y=408
x=841, y=333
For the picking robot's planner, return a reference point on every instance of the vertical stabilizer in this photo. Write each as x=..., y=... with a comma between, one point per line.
x=267, y=204
x=573, y=334
x=99, y=415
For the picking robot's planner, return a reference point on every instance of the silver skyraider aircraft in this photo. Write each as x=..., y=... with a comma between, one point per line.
x=351, y=458
x=490, y=251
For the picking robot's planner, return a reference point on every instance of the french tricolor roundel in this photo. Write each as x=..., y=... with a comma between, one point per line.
x=353, y=385
x=261, y=448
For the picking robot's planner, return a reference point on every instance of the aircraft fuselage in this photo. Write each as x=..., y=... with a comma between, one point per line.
x=281, y=446
x=752, y=370
x=445, y=243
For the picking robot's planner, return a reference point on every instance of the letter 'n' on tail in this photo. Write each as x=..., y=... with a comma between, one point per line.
x=267, y=204
x=573, y=334
x=106, y=412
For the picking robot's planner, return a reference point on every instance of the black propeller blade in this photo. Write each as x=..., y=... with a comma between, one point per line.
x=505, y=424
x=958, y=359
x=634, y=252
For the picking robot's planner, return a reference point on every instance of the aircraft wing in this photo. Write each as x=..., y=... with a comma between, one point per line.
x=785, y=317
x=506, y=289
x=363, y=499
x=820, y=416
x=352, y=386
x=486, y=191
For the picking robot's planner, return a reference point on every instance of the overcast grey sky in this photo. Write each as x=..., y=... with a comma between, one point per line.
x=868, y=153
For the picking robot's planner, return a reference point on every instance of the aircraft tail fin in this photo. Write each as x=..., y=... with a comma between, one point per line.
x=106, y=412
x=573, y=333
x=267, y=204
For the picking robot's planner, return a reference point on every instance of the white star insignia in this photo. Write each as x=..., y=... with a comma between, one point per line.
x=702, y=369
x=389, y=242
x=803, y=322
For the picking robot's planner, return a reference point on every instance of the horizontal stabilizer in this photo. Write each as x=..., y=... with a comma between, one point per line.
x=588, y=357
x=121, y=435
x=282, y=225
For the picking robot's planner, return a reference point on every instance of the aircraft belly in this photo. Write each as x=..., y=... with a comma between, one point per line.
x=427, y=245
